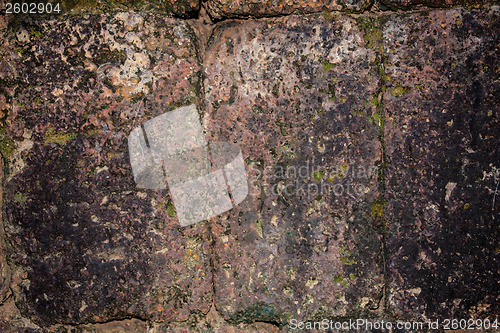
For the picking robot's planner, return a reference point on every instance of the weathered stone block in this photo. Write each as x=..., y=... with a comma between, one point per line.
x=179, y=8
x=441, y=134
x=408, y=4
x=296, y=94
x=88, y=245
x=242, y=8
x=5, y=273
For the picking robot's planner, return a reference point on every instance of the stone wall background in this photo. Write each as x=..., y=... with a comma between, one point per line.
x=408, y=88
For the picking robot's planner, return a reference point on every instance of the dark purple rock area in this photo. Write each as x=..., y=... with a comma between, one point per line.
x=443, y=152
x=87, y=244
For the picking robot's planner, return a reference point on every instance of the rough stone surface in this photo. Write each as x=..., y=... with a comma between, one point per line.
x=312, y=100
x=242, y=8
x=5, y=273
x=11, y=321
x=296, y=93
x=408, y=4
x=179, y=8
x=87, y=245
x=443, y=167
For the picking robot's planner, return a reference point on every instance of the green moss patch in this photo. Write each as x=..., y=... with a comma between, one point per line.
x=399, y=90
x=7, y=145
x=327, y=65
x=257, y=312
x=171, y=210
x=60, y=138
x=378, y=209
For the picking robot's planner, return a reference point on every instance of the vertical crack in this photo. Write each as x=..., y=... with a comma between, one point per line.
x=203, y=28
x=381, y=176
x=372, y=34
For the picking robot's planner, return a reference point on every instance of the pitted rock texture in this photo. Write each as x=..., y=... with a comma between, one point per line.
x=5, y=273
x=178, y=8
x=87, y=244
x=211, y=322
x=371, y=147
x=296, y=94
x=409, y=4
x=443, y=153
x=242, y=8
